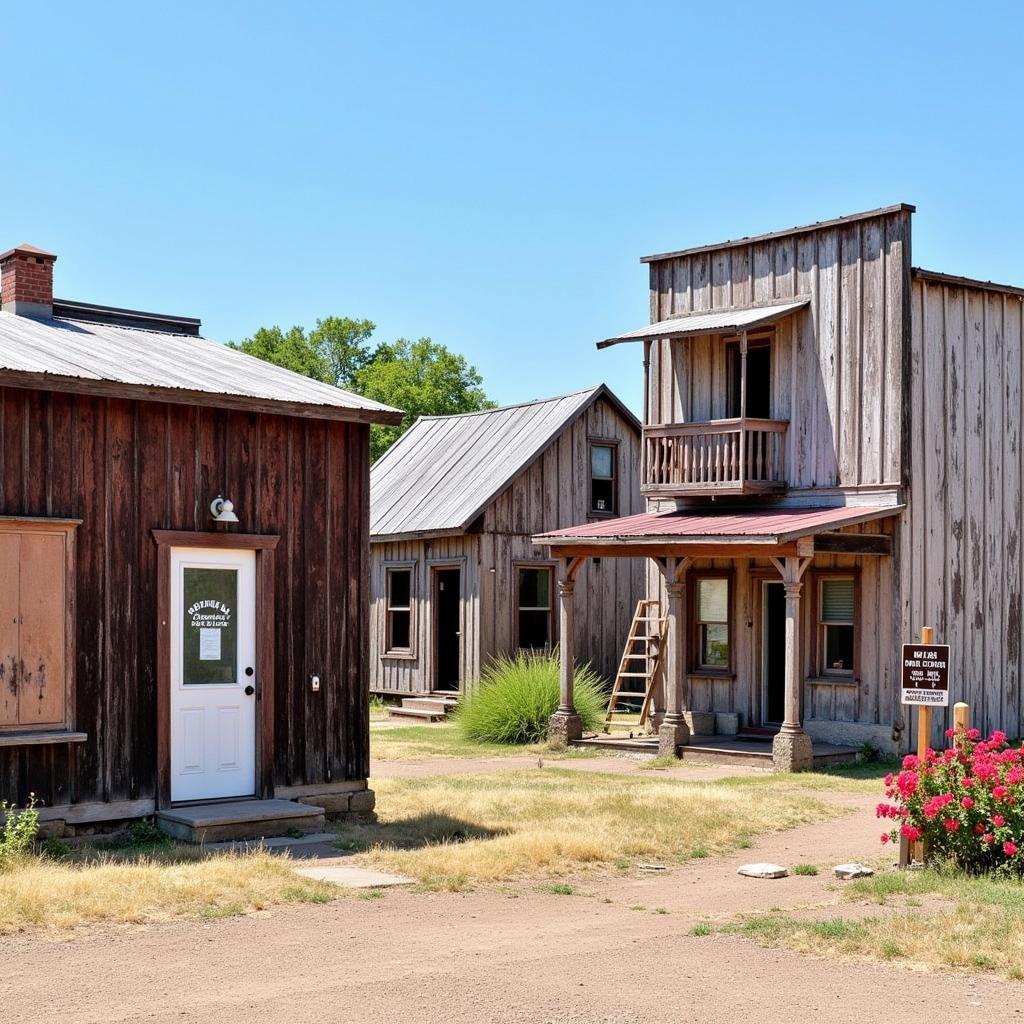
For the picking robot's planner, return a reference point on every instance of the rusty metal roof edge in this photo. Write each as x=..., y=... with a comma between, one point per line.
x=800, y=229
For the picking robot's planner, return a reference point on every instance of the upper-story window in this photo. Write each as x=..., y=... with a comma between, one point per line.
x=603, y=478
x=759, y=378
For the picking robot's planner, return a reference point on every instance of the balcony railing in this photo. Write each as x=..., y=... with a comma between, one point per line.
x=734, y=456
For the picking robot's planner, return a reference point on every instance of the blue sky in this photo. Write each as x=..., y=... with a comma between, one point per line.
x=489, y=174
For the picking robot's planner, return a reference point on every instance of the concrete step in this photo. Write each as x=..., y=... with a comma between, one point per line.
x=441, y=707
x=239, y=819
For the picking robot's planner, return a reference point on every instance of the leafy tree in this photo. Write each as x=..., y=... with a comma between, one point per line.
x=334, y=351
x=423, y=378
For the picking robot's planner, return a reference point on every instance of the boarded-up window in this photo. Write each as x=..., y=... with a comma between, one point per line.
x=836, y=610
x=712, y=621
x=602, y=479
x=399, y=609
x=533, y=609
x=35, y=570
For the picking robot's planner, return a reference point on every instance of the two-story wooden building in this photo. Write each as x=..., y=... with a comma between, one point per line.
x=831, y=460
x=456, y=578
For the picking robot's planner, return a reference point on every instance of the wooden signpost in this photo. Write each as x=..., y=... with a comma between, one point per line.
x=925, y=683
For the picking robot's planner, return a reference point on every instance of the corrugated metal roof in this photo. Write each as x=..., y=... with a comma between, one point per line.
x=756, y=526
x=107, y=359
x=445, y=470
x=718, y=321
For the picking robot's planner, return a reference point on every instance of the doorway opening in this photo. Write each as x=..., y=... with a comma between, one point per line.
x=759, y=379
x=773, y=652
x=447, y=602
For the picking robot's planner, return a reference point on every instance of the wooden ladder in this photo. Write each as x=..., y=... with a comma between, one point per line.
x=644, y=647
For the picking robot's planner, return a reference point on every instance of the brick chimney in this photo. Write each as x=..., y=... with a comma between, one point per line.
x=26, y=281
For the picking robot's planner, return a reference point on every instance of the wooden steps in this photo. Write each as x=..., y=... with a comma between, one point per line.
x=425, y=708
x=240, y=819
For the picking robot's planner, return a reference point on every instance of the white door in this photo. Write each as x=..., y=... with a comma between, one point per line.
x=213, y=681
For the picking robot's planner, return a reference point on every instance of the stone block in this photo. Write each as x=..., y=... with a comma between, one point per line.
x=854, y=870
x=362, y=801
x=792, y=752
x=671, y=736
x=727, y=723
x=701, y=723
x=565, y=728
x=763, y=871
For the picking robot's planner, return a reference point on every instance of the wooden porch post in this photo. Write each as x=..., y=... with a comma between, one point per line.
x=673, y=731
x=565, y=724
x=792, y=748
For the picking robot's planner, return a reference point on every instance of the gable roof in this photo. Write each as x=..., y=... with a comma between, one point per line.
x=445, y=470
x=129, y=362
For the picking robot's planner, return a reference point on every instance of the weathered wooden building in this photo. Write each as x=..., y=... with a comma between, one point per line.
x=831, y=460
x=184, y=560
x=456, y=578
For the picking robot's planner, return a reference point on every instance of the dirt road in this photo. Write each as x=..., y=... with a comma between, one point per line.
x=493, y=957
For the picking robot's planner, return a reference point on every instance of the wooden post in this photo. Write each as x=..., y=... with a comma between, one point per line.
x=961, y=719
x=743, y=410
x=673, y=731
x=565, y=724
x=924, y=732
x=792, y=749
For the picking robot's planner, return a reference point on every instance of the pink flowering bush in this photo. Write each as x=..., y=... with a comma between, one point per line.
x=966, y=803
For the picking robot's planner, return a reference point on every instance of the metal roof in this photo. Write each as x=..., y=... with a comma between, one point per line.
x=719, y=321
x=801, y=229
x=754, y=526
x=104, y=359
x=445, y=470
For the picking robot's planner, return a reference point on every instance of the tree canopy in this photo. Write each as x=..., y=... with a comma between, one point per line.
x=422, y=378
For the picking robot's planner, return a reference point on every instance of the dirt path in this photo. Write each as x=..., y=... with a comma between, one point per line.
x=488, y=956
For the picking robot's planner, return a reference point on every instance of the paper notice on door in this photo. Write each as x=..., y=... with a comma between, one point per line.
x=209, y=644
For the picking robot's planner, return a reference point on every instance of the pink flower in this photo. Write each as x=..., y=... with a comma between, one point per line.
x=979, y=829
x=998, y=820
x=1015, y=775
x=974, y=734
x=988, y=838
x=999, y=792
x=911, y=832
x=951, y=824
x=950, y=733
x=885, y=837
x=1009, y=847
x=910, y=762
x=966, y=803
x=998, y=737
x=888, y=780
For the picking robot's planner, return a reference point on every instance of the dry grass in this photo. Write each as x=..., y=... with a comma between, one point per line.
x=927, y=919
x=390, y=742
x=46, y=895
x=452, y=831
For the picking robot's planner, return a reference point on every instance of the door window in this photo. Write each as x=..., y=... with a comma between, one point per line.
x=534, y=607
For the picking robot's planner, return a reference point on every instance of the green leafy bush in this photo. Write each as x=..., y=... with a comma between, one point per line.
x=19, y=832
x=518, y=695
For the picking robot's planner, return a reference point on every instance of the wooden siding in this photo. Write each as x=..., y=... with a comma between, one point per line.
x=125, y=468
x=962, y=529
x=551, y=493
x=872, y=699
x=838, y=366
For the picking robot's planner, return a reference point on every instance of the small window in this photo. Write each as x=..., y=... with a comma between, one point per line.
x=835, y=618
x=533, y=608
x=602, y=479
x=399, y=609
x=712, y=619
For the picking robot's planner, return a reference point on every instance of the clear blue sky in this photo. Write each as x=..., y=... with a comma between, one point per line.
x=489, y=174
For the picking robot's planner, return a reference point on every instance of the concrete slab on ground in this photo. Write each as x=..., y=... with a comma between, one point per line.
x=353, y=877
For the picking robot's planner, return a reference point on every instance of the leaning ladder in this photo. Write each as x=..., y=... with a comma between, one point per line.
x=639, y=668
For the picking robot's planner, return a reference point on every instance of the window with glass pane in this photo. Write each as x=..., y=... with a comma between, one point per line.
x=602, y=479
x=836, y=618
x=713, y=622
x=534, y=607
x=399, y=609
x=210, y=626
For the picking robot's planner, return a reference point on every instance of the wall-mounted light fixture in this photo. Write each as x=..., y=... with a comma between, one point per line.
x=223, y=510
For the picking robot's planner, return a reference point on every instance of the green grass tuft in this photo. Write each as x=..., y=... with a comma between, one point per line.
x=805, y=869
x=558, y=889
x=518, y=695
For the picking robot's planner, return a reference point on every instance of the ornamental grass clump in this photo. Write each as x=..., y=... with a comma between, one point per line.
x=966, y=803
x=518, y=695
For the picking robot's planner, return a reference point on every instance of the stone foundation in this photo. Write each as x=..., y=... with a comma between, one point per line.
x=792, y=752
x=340, y=805
x=700, y=723
x=671, y=736
x=565, y=728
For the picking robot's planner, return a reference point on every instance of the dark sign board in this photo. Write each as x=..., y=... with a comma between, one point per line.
x=926, y=674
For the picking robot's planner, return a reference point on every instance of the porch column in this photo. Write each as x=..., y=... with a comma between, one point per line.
x=673, y=731
x=566, y=726
x=792, y=747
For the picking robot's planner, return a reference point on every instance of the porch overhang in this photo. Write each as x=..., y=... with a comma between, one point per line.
x=765, y=532
x=728, y=321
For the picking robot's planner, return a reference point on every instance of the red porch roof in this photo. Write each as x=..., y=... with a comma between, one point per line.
x=769, y=526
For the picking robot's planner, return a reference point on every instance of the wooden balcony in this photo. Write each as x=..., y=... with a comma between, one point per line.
x=734, y=456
